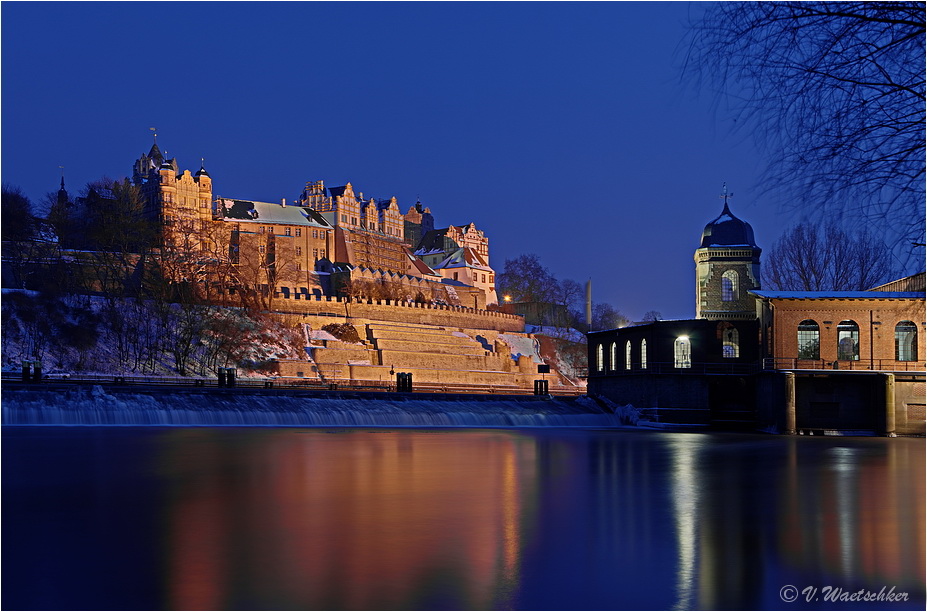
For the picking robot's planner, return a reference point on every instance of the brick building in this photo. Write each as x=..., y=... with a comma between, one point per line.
x=787, y=361
x=847, y=330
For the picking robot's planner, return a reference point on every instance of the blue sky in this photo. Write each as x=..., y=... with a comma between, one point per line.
x=562, y=129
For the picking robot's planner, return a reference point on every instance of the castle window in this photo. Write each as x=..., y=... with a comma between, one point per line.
x=299, y=232
x=729, y=286
x=344, y=218
x=906, y=341
x=322, y=252
x=600, y=358
x=644, y=354
x=730, y=348
x=613, y=356
x=848, y=341
x=299, y=251
x=809, y=340
x=682, y=352
x=287, y=231
x=315, y=254
x=627, y=355
x=262, y=249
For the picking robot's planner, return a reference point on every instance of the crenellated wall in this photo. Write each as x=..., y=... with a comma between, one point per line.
x=359, y=311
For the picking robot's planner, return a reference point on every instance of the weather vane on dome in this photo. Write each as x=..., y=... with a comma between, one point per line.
x=724, y=194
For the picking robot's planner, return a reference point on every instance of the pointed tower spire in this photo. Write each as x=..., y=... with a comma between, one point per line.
x=724, y=196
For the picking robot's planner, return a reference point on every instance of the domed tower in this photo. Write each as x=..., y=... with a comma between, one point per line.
x=727, y=265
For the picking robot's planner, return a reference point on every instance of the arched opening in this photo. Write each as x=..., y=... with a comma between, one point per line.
x=644, y=354
x=730, y=347
x=906, y=341
x=848, y=341
x=613, y=361
x=600, y=358
x=627, y=355
x=682, y=352
x=809, y=340
x=729, y=286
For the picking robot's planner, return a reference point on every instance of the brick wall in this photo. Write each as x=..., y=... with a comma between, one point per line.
x=876, y=319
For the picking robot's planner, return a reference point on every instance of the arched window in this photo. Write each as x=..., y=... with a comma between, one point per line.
x=627, y=355
x=848, y=341
x=600, y=358
x=613, y=362
x=729, y=286
x=809, y=340
x=643, y=354
x=906, y=341
x=682, y=352
x=731, y=343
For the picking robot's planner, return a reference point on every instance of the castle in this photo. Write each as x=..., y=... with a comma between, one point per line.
x=330, y=241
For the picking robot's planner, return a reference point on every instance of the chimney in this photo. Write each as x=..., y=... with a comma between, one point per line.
x=589, y=304
x=283, y=202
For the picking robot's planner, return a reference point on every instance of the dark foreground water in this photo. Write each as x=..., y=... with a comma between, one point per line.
x=168, y=518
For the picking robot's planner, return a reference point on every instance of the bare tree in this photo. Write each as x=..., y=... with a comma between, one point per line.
x=835, y=91
x=525, y=279
x=810, y=257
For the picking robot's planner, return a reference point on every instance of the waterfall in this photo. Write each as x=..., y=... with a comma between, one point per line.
x=98, y=406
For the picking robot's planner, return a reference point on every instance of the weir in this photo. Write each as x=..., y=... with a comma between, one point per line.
x=98, y=406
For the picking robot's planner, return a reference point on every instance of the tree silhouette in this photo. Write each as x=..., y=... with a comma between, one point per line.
x=835, y=91
x=826, y=258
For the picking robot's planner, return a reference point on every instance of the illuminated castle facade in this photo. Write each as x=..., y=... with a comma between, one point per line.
x=322, y=242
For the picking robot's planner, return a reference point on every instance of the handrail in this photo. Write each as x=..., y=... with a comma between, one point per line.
x=289, y=384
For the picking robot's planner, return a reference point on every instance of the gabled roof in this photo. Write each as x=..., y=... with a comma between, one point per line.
x=422, y=267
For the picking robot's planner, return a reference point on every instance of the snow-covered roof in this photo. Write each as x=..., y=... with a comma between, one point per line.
x=837, y=295
x=464, y=258
x=265, y=212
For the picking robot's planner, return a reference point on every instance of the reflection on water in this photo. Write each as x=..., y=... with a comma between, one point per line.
x=479, y=519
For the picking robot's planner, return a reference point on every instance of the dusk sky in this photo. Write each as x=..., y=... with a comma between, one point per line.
x=561, y=129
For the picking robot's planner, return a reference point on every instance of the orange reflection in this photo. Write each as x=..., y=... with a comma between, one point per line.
x=858, y=514
x=358, y=520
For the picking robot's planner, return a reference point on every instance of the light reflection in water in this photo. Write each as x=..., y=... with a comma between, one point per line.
x=356, y=521
x=685, y=451
x=478, y=519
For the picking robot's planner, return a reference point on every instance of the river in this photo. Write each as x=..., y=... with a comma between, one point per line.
x=123, y=518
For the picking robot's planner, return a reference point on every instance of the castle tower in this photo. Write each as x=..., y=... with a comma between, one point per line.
x=727, y=266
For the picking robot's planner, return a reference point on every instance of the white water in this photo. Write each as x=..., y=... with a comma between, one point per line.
x=97, y=406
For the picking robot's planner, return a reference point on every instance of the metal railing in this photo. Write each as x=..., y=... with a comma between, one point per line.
x=883, y=365
x=289, y=384
x=669, y=367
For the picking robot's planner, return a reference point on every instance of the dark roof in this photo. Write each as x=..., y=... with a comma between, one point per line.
x=155, y=153
x=337, y=191
x=728, y=230
x=201, y=172
x=433, y=240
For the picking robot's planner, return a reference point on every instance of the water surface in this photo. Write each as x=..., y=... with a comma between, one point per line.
x=368, y=519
